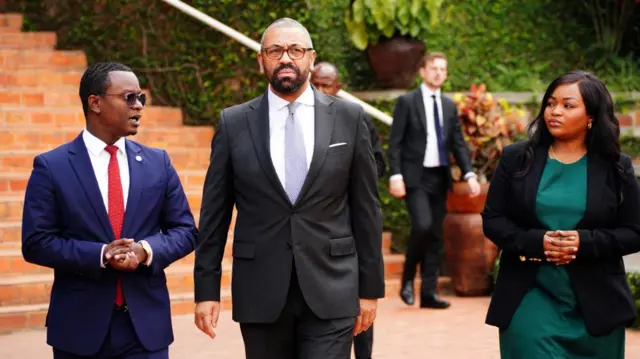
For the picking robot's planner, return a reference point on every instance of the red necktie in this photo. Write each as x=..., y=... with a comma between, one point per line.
x=116, y=207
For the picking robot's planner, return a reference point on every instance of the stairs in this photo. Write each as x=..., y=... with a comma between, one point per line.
x=39, y=110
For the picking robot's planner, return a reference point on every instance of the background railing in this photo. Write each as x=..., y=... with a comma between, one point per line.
x=241, y=38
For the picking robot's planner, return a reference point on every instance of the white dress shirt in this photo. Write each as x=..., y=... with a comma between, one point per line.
x=432, y=153
x=278, y=114
x=100, y=162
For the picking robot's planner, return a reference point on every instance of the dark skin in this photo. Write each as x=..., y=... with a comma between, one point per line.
x=568, y=122
x=325, y=79
x=110, y=118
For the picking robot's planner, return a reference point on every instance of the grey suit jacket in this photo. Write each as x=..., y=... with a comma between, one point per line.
x=332, y=233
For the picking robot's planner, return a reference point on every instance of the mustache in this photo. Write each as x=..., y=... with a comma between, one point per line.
x=286, y=66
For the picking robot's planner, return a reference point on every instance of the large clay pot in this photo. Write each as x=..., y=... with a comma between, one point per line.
x=395, y=62
x=469, y=255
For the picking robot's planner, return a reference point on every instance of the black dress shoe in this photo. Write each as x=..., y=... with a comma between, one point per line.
x=406, y=293
x=432, y=301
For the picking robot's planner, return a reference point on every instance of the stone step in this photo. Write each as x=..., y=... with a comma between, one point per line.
x=62, y=96
x=12, y=184
x=15, y=184
x=44, y=138
x=11, y=20
x=45, y=59
x=36, y=288
x=33, y=316
x=11, y=206
x=40, y=77
x=10, y=233
x=9, y=30
x=28, y=40
x=181, y=158
x=56, y=117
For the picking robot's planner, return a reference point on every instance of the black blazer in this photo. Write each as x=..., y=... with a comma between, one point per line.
x=609, y=230
x=333, y=232
x=408, y=139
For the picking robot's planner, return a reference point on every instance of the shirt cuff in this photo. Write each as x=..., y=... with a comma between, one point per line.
x=147, y=248
x=396, y=176
x=469, y=175
x=102, y=262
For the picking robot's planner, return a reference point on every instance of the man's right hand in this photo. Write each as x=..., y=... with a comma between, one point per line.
x=206, y=317
x=396, y=187
x=120, y=256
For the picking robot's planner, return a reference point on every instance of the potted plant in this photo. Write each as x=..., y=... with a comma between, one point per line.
x=392, y=33
x=488, y=125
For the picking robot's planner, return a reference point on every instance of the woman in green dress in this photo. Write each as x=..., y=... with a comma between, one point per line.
x=564, y=208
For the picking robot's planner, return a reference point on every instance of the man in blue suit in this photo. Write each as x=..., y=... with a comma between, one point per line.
x=108, y=215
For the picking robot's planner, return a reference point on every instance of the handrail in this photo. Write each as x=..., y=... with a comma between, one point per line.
x=241, y=38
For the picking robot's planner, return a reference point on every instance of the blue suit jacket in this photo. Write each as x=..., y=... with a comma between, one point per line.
x=65, y=224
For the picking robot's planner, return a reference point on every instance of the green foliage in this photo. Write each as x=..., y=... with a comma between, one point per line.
x=510, y=45
x=368, y=20
x=633, y=279
x=630, y=145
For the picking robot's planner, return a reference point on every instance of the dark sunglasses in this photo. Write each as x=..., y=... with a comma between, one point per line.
x=130, y=97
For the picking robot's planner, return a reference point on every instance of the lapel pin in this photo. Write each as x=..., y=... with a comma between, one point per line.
x=138, y=158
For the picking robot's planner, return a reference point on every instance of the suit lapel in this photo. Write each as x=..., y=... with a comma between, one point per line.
x=258, y=119
x=596, y=181
x=81, y=164
x=532, y=179
x=136, y=185
x=419, y=103
x=323, y=127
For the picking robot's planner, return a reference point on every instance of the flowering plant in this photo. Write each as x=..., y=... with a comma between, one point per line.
x=488, y=124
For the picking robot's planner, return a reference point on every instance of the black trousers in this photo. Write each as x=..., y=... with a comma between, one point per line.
x=427, y=206
x=298, y=333
x=363, y=344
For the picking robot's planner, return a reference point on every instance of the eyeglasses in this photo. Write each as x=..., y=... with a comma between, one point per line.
x=130, y=97
x=295, y=52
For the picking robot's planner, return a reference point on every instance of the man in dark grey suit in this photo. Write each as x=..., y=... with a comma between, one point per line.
x=307, y=258
x=425, y=130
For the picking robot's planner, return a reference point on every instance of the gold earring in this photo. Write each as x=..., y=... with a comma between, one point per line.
x=589, y=125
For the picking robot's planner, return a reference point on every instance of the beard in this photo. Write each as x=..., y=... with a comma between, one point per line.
x=288, y=85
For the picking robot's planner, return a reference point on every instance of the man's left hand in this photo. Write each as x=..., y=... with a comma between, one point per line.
x=128, y=256
x=368, y=308
x=474, y=186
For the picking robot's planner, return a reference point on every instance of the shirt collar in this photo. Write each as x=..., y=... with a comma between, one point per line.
x=278, y=103
x=426, y=92
x=95, y=145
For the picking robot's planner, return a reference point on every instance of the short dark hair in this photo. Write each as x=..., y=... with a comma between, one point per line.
x=432, y=56
x=95, y=81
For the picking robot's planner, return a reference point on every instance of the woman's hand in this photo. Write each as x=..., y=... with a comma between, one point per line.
x=561, y=247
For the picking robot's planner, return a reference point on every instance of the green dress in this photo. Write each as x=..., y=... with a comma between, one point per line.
x=548, y=324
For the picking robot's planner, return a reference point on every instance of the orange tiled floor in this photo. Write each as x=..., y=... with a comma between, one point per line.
x=401, y=333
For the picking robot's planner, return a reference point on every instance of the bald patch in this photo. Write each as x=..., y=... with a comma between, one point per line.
x=325, y=69
x=289, y=23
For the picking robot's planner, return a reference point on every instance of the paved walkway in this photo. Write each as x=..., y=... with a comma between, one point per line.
x=401, y=333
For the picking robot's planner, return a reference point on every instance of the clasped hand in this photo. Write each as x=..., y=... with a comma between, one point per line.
x=124, y=254
x=561, y=247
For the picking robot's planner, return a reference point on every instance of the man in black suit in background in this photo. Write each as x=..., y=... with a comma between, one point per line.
x=425, y=130
x=307, y=256
x=326, y=79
